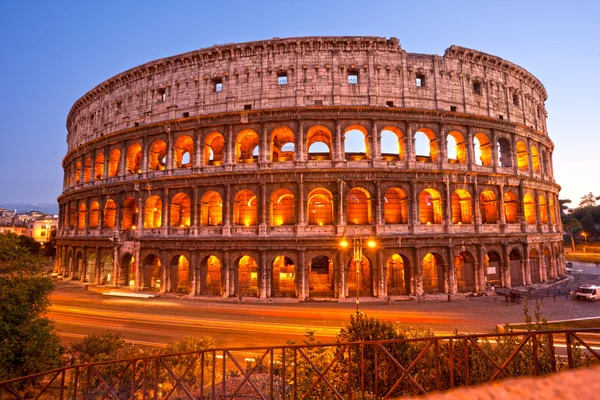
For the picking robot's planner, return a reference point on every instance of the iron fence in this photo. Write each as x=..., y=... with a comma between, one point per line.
x=360, y=370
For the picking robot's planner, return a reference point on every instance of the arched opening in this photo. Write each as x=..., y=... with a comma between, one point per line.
x=106, y=268
x=320, y=207
x=99, y=166
x=246, y=147
x=282, y=144
x=179, y=277
x=516, y=268
x=552, y=209
x=426, y=146
x=358, y=207
x=318, y=143
x=284, y=277
x=491, y=265
x=184, y=152
x=94, y=215
x=87, y=170
x=211, y=209
x=152, y=272
x=461, y=207
x=489, y=207
x=398, y=275
x=395, y=206
x=77, y=266
x=392, y=144
x=110, y=214
x=245, y=208
x=321, y=279
x=113, y=163
x=133, y=161
x=529, y=209
x=361, y=272
x=157, y=159
x=483, y=149
x=545, y=162
x=534, y=266
x=430, y=207
x=511, y=207
x=283, y=208
x=128, y=213
x=504, y=153
x=548, y=263
x=522, y=156
x=81, y=216
x=90, y=267
x=535, y=159
x=153, y=212
x=73, y=215
x=465, y=272
x=433, y=274
x=214, y=145
x=212, y=284
x=543, y=209
x=180, y=210
x=127, y=270
x=457, y=148
x=78, y=172
x=356, y=143
x=247, y=277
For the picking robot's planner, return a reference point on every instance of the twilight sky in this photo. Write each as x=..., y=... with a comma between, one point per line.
x=53, y=52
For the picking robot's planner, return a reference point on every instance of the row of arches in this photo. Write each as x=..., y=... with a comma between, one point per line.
x=322, y=275
x=319, y=144
x=282, y=209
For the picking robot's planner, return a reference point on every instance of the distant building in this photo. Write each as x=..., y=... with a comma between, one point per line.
x=40, y=229
x=16, y=229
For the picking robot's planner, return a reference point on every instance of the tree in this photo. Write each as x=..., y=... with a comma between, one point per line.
x=589, y=200
x=571, y=225
x=588, y=225
x=28, y=341
x=563, y=207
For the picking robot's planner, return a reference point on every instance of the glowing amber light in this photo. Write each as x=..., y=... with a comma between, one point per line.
x=371, y=243
x=344, y=243
x=133, y=227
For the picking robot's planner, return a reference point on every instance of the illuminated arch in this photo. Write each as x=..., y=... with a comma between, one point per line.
x=488, y=204
x=543, y=209
x=94, y=215
x=133, y=160
x=78, y=172
x=110, y=214
x=113, y=163
x=183, y=152
x=99, y=166
x=504, y=153
x=128, y=213
x=535, y=159
x=320, y=207
x=430, y=207
x=426, y=146
x=318, y=143
x=392, y=144
x=552, y=209
x=363, y=275
x=180, y=276
x=180, y=211
x=282, y=144
x=153, y=212
x=522, y=156
x=213, y=277
x=157, y=160
x=211, y=209
x=247, y=277
x=456, y=147
x=214, y=148
x=398, y=275
x=284, y=277
x=464, y=265
x=529, y=208
x=461, y=207
x=511, y=207
x=358, y=207
x=246, y=145
x=81, y=216
x=152, y=270
x=433, y=273
x=87, y=170
x=283, y=208
x=356, y=143
x=245, y=208
x=483, y=149
x=395, y=206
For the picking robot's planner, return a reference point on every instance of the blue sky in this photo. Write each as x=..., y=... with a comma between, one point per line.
x=54, y=51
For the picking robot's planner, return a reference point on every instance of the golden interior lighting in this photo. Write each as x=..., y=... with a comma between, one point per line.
x=371, y=243
x=344, y=243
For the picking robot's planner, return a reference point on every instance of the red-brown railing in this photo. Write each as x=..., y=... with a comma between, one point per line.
x=360, y=370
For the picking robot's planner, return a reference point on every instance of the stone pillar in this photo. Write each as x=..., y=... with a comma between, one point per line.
x=494, y=146
x=480, y=273
x=227, y=207
x=139, y=284
x=170, y=150
x=264, y=154
x=164, y=286
x=98, y=266
x=338, y=143
x=502, y=210
x=263, y=205
x=230, y=145
x=194, y=273
x=470, y=149
x=342, y=283
x=165, y=213
x=542, y=267
x=115, y=277
x=418, y=272
x=375, y=141
x=414, y=206
x=505, y=268
x=477, y=208
x=521, y=216
x=451, y=284
x=448, y=208
x=226, y=278
x=300, y=203
x=380, y=288
x=341, y=215
x=300, y=147
x=442, y=146
x=378, y=204
x=122, y=162
x=262, y=290
x=145, y=150
x=198, y=161
x=526, y=270
x=195, y=207
x=301, y=276
x=140, y=213
x=410, y=145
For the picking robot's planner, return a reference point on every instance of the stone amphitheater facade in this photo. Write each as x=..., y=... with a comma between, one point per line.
x=260, y=169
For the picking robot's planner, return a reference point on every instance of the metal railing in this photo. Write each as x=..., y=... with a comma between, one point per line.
x=360, y=370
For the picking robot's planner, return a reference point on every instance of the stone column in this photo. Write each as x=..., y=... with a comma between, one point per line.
x=198, y=161
x=138, y=268
x=526, y=270
x=115, y=277
x=262, y=290
x=195, y=207
x=338, y=154
x=414, y=206
x=165, y=213
x=105, y=165
x=300, y=147
x=380, y=288
x=494, y=147
x=470, y=149
x=442, y=146
x=451, y=284
x=164, y=286
x=505, y=268
x=410, y=145
x=480, y=269
x=418, y=272
x=140, y=213
x=230, y=145
x=226, y=278
x=300, y=203
x=502, y=210
x=378, y=204
x=477, y=207
x=264, y=154
x=98, y=266
x=145, y=151
x=341, y=215
x=301, y=277
x=342, y=283
x=375, y=141
x=538, y=216
x=263, y=205
x=448, y=210
x=227, y=207
x=122, y=162
x=170, y=150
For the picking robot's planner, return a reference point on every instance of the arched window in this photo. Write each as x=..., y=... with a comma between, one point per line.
x=180, y=210
x=133, y=161
x=246, y=147
x=552, y=209
x=282, y=144
x=157, y=160
x=318, y=143
x=535, y=158
x=529, y=209
x=395, y=206
x=511, y=207
x=545, y=162
x=81, y=218
x=153, y=212
x=356, y=143
x=214, y=146
x=320, y=207
x=78, y=172
x=358, y=207
x=110, y=214
x=392, y=144
x=99, y=166
x=457, y=149
x=430, y=207
x=283, y=210
x=426, y=147
x=522, y=156
x=128, y=213
x=461, y=207
x=543, y=209
x=87, y=170
x=245, y=208
x=73, y=215
x=183, y=152
x=113, y=163
x=211, y=209
x=483, y=149
x=94, y=215
x=489, y=207
x=504, y=153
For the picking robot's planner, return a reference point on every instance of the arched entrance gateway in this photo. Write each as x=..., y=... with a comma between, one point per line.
x=152, y=273
x=433, y=274
x=517, y=277
x=534, y=266
x=247, y=282
x=398, y=275
x=126, y=271
x=211, y=277
x=284, y=277
x=491, y=268
x=464, y=265
x=361, y=272
x=321, y=278
x=178, y=280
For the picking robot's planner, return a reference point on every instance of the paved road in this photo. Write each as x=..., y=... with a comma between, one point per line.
x=161, y=320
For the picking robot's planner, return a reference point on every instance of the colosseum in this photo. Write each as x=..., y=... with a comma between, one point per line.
x=311, y=168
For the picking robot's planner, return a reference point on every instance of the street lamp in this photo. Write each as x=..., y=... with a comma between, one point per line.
x=357, y=253
x=584, y=236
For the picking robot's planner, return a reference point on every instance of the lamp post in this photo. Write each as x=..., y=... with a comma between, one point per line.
x=584, y=236
x=357, y=254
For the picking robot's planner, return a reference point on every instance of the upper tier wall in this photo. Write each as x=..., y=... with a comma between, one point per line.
x=317, y=70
